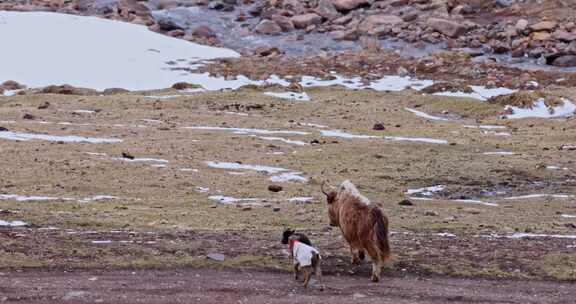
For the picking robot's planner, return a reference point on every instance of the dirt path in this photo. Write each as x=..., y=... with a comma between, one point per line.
x=236, y=286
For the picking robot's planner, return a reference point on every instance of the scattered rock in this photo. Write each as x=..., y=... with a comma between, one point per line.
x=184, y=86
x=327, y=10
x=203, y=31
x=472, y=210
x=268, y=27
x=265, y=51
x=431, y=213
x=216, y=257
x=449, y=28
x=28, y=116
x=68, y=90
x=3, y=129
x=565, y=61
x=347, y=5
x=371, y=24
x=568, y=147
x=406, y=202
x=359, y=295
x=74, y=295
x=276, y=209
x=379, y=126
x=275, y=188
x=543, y=26
x=306, y=20
x=521, y=25
x=246, y=208
x=127, y=155
x=115, y=91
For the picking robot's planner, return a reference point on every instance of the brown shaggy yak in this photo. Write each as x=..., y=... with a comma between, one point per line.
x=363, y=225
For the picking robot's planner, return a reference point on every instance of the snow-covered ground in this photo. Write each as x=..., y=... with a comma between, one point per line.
x=41, y=48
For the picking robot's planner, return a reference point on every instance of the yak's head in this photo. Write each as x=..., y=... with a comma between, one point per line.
x=333, y=205
x=286, y=235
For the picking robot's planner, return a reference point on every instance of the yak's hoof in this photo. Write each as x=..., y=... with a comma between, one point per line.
x=355, y=261
x=375, y=279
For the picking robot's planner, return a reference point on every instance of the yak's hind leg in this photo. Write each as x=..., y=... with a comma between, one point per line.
x=356, y=255
x=377, y=262
x=307, y=274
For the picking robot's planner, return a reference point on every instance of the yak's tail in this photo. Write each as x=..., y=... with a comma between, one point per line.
x=381, y=232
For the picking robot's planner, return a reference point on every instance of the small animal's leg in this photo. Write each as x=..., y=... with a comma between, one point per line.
x=318, y=273
x=296, y=269
x=307, y=273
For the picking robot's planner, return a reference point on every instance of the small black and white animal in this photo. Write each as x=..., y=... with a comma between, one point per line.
x=305, y=257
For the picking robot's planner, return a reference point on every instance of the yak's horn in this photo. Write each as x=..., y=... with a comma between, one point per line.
x=322, y=187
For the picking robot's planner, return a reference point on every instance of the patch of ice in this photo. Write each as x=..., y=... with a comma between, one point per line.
x=479, y=92
x=236, y=173
x=289, y=95
x=426, y=191
x=341, y=134
x=141, y=159
x=485, y=127
x=12, y=223
x=23, y=198
x=202, y=189
x=568, y=215
x=521, y=235
x=96, y=154
x=540, y=110
x=236, y=166
x=469, y=201
x=417, y=139
x=9, y=93
x=247, y=130
x=398, y=83
x=445, y=234
x=137, y=65
x=84, y=111
x=101, y=242
x=496, y=133
x=237, y=113
x=188, y=170
x=499, y=153
x=158, y=166
x=303, y=199
x=539, y=195
x=97, y=198
x=288, y=177
x=19, y=136
x=315, y=125
x=425, y=115
x=288, y=141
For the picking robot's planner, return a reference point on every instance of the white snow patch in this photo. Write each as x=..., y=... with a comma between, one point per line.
x=539, y=195
x=226, y=200
x=303, y=199
x=540, y=110
x=288, y=141
x=341, y=134
x=97, y=198
x=288, y=177
x=134, y=55
x=19, y=136
x=479, y=92
x=499, y=153
x=236, y=166
x=568, y=215
x=417, y=139
x=289, y=95
x=247, y=130
x=485, y=127
x=23, y=198
x=521, y=235
x=202, y=189
x=314, y=125
x=188, y=170
x=144, y=159
x=163, y=96
x=84, y=111
x=425, y=115
x=12, y=223
x=426, y=191
x=466, y=201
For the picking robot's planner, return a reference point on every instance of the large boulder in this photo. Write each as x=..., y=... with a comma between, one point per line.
x=449, y=28
x=543, y=26
x=348, y=5
x=371, y=23
x=327, y=10
x=268, y=27
x=565, y=61
x=305, y=20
